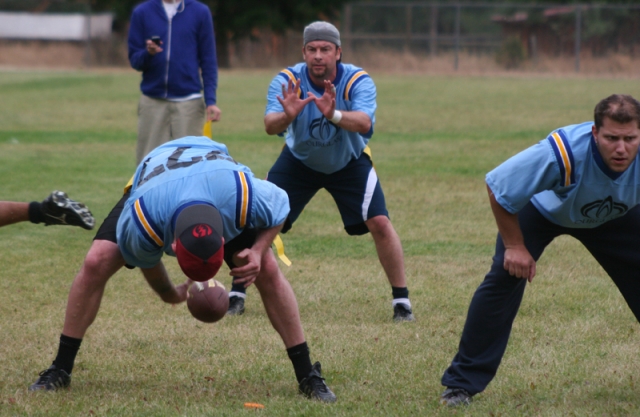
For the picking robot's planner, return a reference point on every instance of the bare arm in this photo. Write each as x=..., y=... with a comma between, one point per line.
x=251, y=259
x=354, y=121
x=517, y=259
x=292, y=105
x=13, y=212
x=275, y=123
x=159, y=281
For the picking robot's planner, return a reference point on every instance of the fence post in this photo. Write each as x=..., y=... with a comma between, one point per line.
x=457, y=37
x=87, y=51
x=433, y=31
x=407, y=33
x=346, y=29
x=578, y=35
x=533, y=41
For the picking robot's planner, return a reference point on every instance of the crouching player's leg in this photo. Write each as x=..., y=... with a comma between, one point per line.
x=102, y=261
x=259, y=265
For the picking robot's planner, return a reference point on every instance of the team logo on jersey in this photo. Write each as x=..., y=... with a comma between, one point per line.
x=323, y=133
x=600, y=210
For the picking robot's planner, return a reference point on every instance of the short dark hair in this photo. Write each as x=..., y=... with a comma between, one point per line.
x=621, y=108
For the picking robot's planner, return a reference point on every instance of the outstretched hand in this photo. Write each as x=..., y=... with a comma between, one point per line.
x=291, y=102
x=326, y=103
x=181, y=292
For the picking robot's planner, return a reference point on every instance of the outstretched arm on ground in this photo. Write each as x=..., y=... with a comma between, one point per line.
x=159, y=281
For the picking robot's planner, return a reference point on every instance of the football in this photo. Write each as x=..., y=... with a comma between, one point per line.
x=208, y=301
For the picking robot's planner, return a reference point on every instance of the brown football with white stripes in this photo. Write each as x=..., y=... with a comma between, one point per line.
x=208, y=301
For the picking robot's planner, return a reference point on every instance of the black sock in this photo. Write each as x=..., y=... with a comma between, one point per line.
x=35, y=215
x=301, y=360
x=238, y=288
x=399, y=292
x=67, y=352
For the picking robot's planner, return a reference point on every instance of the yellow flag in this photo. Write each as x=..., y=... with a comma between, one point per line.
x=280, y=250
x=206, y=129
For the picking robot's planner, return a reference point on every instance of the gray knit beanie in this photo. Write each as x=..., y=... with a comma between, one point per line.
x=321, y=31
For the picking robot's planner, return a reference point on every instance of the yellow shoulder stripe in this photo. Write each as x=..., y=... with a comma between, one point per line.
x=353, y=79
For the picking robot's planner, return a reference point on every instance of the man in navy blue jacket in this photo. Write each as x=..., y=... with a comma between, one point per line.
x=172, y=43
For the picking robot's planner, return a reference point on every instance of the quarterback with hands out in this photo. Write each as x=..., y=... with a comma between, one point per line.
x=190, y=199
x=581, y=181
x=325, y=109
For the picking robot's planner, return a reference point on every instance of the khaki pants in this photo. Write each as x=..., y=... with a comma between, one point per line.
x=160, y=121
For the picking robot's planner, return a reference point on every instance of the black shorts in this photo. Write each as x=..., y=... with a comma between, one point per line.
x=355, y=189
x=107, y=231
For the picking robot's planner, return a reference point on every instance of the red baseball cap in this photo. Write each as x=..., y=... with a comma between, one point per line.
x=199, y=243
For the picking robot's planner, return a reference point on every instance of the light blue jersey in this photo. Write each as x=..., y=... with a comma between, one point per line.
x=314, y=140
x=188, y=171
x=566, y=179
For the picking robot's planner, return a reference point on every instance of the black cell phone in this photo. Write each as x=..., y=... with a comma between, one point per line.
x=156, y=40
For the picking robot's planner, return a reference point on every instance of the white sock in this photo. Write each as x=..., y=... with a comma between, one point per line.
x=404, y=301
x=237, y=294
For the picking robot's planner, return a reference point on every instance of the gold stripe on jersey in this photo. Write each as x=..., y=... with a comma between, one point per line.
x=565, y=158
x=289, y=75
x=352, y=80
x=243, y=209
x=145, y=224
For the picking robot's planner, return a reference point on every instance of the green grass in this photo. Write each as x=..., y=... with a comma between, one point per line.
x=573, y=349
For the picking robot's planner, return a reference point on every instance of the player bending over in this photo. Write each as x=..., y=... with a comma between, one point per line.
x=191, y=200
x=581, y=181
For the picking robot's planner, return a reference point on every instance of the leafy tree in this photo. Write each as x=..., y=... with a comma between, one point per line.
x=235, y=19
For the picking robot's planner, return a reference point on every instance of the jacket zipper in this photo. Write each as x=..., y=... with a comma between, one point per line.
x=166, y=74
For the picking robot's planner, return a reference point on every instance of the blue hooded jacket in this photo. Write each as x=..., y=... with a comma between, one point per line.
x=188, y=46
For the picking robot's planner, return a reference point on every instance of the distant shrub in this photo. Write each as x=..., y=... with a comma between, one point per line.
x=511, y=53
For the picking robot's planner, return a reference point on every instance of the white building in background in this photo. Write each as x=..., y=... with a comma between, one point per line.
x=58, y=26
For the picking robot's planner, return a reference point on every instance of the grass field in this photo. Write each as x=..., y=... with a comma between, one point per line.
x=574, y=347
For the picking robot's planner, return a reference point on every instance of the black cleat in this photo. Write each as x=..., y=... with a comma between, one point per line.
x=454, y=397
x=51, y=379
x=402, y=312
x=314, y=387
x=58, y=208
x=236, y=306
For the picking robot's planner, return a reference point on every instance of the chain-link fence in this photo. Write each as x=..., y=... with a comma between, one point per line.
x=441, y=36
x=513, y=35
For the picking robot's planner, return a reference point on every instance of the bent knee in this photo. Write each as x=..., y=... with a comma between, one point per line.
x=379, y=224
x=270, y=274
x=103, y=258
